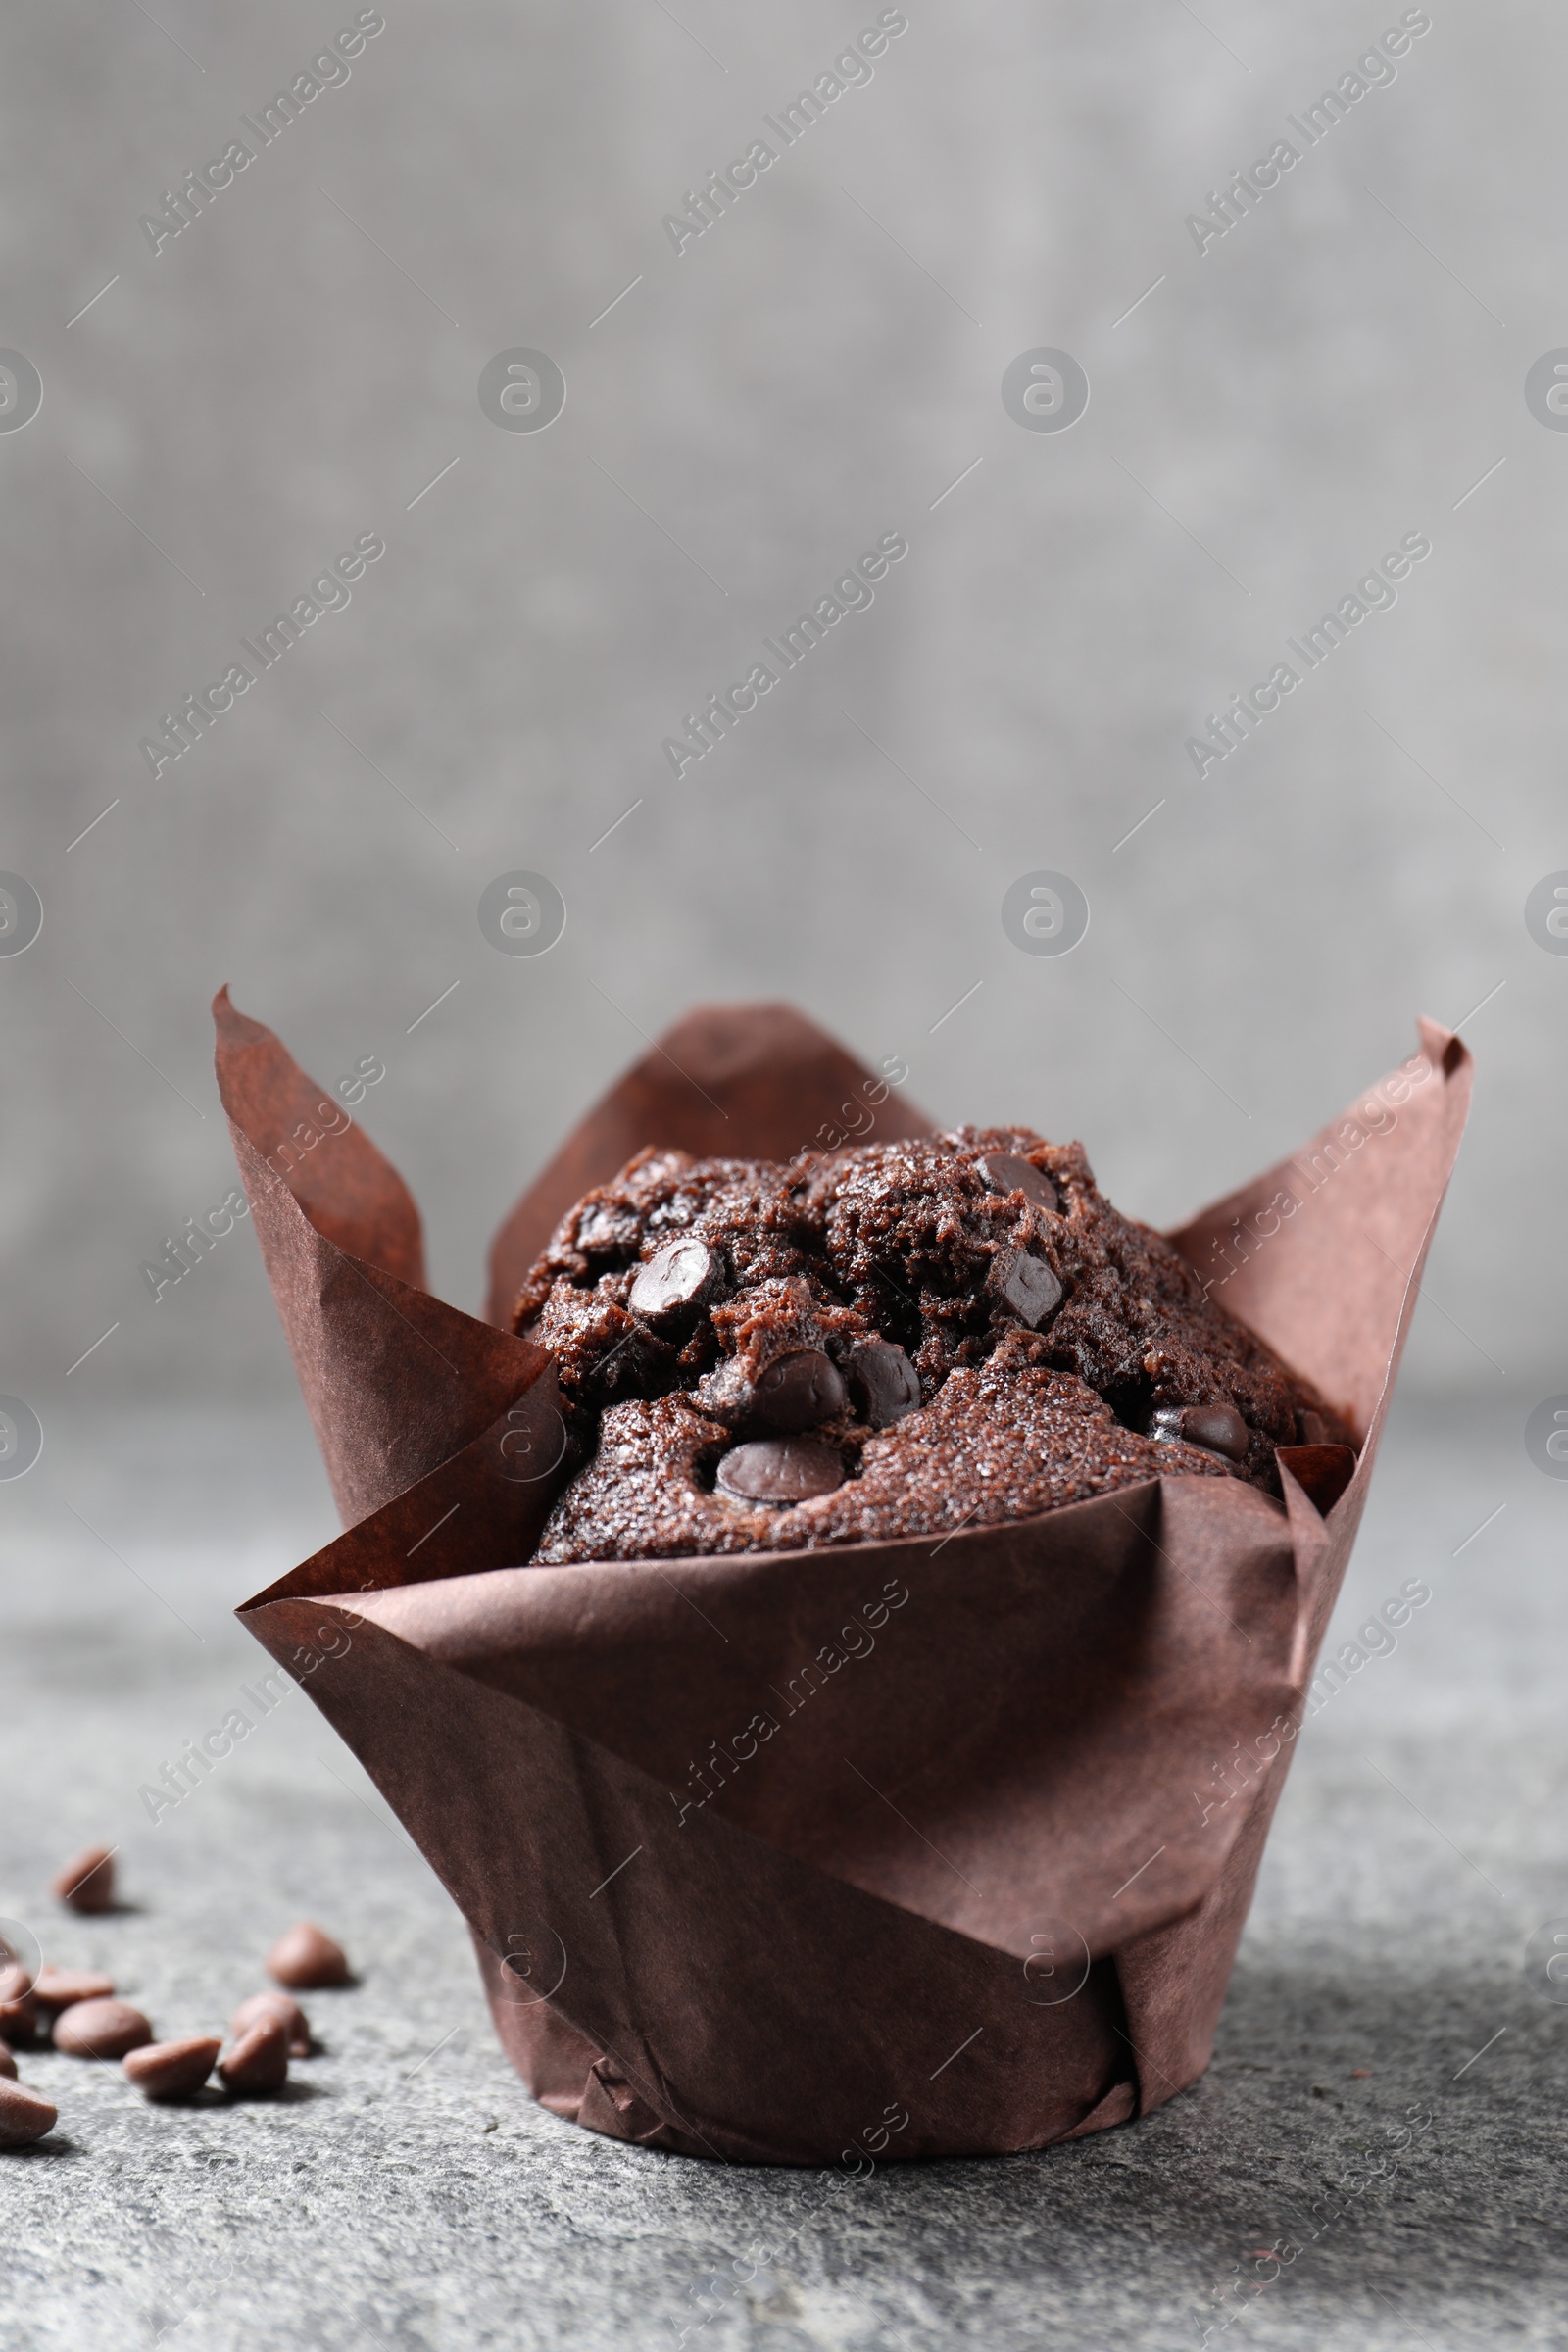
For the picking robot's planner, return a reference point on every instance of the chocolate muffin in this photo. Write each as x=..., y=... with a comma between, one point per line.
x=897, y=1339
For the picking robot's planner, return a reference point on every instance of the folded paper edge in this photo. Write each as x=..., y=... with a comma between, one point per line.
x=716, y=1047
x=249, y=1057
x=1445, y=1056
x=379, y=1435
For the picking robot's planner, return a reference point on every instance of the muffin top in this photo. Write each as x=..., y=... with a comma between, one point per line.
x=893, y=1339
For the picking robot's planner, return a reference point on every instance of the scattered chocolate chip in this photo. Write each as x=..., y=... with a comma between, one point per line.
x=884, y=1382
x=258, y=2061
x=682, y=1274
x=19, y=2017
x=23, y=2116
x=1312, y=1429
x=19, y=2011
x=1005, y=1172
x=782, y=1470
x=799, y=1391
x=63, y=1987
x=8, y=2065
x=1218, y=1427
x=172, y=2070
x=101, y=2030
x=1026, y=1284
x=87, y=1881
x=306, y=1957
x=290, y=2016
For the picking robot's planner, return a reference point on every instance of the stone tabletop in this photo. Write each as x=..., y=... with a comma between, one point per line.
x=1375, y=2158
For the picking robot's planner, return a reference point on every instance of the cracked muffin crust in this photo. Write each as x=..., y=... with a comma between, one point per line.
x=892, y=1340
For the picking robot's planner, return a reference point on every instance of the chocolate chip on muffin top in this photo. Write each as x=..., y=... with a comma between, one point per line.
x=885, y=1341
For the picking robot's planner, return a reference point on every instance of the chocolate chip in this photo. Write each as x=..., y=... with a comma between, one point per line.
x=799, y=1391
x=23, y=2116
x=292, y=2018
x=682, y=1274
x=885, y=1384
x=19, y=2010
x=1218, y=1427
x=8, y=2065
x=1026, y=1284
x=172, y=2070
x=87, y=1883
x=258, y=2061
x=1312, y=1429
x=305, y=1957
x=62, y=1987
x=1005, y=1172
x=19, y=2015
x=101, y=2030
x=781, y=1470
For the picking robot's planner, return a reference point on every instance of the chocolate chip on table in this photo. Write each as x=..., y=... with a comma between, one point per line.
x=1027, y=1286
x=8, y=2065
x=18, y=2009
x=306, y=1957
x=63, y=1987
x=1218, y=1427
x=258, y=2061
x=799, y=1391
x=172, y=2070
x=682, y=1274
x=19, y=2015
x=1005, y=1172
x=884, y=1382
x=101, y=2030
x=87, y=1881
x=23, y=2116
x=780, y=1470
x=292, y=2018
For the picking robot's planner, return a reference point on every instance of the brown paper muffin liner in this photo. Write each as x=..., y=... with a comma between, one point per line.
x=886, y=1849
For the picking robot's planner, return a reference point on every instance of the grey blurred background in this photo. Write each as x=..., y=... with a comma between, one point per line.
x=298, y=364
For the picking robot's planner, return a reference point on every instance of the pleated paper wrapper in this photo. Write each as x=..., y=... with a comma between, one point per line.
x=982, y=1816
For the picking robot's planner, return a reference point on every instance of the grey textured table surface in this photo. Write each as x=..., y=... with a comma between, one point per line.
x=407, y=2193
